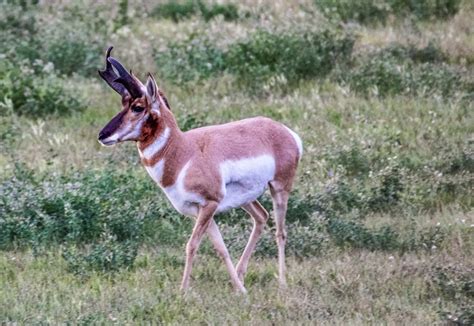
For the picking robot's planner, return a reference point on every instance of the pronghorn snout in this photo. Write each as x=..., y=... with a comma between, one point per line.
x=109, y=134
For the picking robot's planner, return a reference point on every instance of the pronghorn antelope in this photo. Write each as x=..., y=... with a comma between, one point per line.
x=207, y=170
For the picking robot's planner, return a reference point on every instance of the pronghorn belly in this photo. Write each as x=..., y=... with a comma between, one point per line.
x=245, y=180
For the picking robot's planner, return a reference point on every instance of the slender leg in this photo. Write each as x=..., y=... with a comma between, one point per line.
x=204, y=217
x=280, y=202
x=260, y=217
x=216, y=239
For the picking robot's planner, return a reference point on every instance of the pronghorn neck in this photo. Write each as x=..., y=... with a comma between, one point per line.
x=160, y=133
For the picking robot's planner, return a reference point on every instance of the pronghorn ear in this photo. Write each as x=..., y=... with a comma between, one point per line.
x=151, y=88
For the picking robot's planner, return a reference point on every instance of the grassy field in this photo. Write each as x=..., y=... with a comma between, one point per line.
x=381, y=221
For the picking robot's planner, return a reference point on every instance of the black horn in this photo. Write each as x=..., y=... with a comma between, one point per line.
x=110, y=76
x=126, y=79
x=120, y=80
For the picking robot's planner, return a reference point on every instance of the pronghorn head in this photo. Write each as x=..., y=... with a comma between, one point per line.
x=141, y=104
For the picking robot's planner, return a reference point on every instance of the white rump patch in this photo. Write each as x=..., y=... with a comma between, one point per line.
x=243, y=181
x=157, y=145
x=298, y=141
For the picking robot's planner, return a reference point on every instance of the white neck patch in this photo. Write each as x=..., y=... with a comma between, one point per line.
x=156, y=146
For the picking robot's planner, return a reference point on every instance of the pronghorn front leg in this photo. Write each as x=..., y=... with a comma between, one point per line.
x=202, y=222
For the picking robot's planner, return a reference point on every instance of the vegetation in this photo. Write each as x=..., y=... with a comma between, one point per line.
x=381, y=215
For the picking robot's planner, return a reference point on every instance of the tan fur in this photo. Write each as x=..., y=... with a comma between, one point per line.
x=209, y=146
x=203, y=150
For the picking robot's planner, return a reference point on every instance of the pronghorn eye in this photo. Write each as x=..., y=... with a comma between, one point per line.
x=138, y=109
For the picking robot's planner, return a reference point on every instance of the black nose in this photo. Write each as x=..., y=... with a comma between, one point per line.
x=103, y=134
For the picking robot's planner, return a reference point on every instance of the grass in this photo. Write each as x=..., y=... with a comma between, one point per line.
x=381, y=225
x=343, y=289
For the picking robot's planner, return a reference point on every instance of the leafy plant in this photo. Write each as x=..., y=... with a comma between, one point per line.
x=370, y=12
x=35, y=90
x=293, y=56
x=177, y=11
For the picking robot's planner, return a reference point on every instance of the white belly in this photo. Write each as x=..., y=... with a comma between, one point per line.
x=243, y=181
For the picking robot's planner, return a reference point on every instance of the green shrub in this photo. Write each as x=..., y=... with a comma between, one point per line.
x=456, y=284
x=356, y=235
x=430, y=53
x=194, y=59
x=74, y=44
x=364, y=11
x=263, y=57
x=35, y=90
x=370, y=12
x=177, y=11
x=398, y=70
x=425, y=9
x=293, y=56
x=106, y=256
x=79, y=208
x=229, y=11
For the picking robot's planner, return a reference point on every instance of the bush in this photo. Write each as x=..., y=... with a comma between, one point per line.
x=425, y=9
x=74, y=44
x=264, y=57
x=183, y=10
x=364, y=11
x=106, y=256
x=346, y=233
x=370, y=12
x=194, y=59
x=175, y=10
x=79, y=209
x=293, y=56
x=400, y=70
x=229, y=11
x=456, y=284
x=35, y=90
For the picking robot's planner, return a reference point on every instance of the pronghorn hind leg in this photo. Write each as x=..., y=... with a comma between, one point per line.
x=260, y=217
x=280, y=202
x=202, y=222
x=216, y=239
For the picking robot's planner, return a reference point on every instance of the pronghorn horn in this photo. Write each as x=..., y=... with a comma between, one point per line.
x=126, y=79
x=110, y=76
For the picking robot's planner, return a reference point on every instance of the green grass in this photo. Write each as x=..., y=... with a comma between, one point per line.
x=380, y=224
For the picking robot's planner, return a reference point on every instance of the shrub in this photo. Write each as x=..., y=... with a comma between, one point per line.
x=365, y=11
x=456, y=284
x=35, y=90
x=175, y=10
x=425, y=9
x=183, y=10
x=264, y=57
x=294, y=56
x=229, y=11
x=78, y=209
x=74, y=44
x=105, y=256
x=356, y=235
x=396, y=70
x=194, y=59
x=370, y=12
